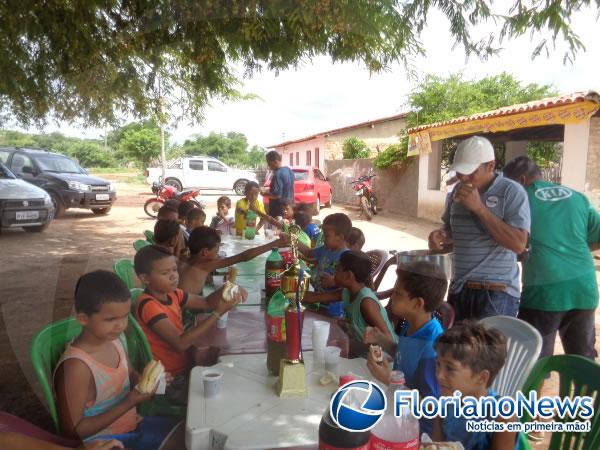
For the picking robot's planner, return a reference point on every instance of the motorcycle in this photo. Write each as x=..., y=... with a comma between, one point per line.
x=165, y=192
x=366, y=194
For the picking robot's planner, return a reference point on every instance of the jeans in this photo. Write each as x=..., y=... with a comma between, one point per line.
x=148, y=435
x=476, y=304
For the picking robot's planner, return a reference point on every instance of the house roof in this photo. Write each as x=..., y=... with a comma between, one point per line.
x=339, y=130
x=536, y=105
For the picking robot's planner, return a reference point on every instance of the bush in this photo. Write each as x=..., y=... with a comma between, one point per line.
x=395, y=154
x=90, y=155
x=355, y=148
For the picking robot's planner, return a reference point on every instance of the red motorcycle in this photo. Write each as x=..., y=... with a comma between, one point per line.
x=366, y=195
x=165, y=192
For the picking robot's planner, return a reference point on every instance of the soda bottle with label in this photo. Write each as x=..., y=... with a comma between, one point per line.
x=250, y=230
x=395, y=433
x=274, y=267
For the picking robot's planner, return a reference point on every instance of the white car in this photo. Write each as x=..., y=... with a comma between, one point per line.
x=23, y=204
x=201, y=172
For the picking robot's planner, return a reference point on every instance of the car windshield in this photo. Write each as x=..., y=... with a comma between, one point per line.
x=50, y=163
x=300, y=175
x=5, y=173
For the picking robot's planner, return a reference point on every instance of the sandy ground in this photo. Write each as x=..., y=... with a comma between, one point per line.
x=38, y=274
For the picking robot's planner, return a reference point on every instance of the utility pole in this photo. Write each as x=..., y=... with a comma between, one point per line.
x=161, y=120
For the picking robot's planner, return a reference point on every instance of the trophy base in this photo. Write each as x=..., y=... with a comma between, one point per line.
x=292, y=379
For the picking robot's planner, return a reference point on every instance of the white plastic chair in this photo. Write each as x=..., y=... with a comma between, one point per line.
x=524, y=344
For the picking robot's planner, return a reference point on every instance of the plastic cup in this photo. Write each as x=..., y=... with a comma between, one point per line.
x=212, y=380
x=332, y=359
x=222, y=321
x=320, y=334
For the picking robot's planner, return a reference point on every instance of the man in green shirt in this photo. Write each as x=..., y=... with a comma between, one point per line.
x=560, y=292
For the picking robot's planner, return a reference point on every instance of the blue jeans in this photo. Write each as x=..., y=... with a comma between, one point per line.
x=148, y=435
x=478, y=303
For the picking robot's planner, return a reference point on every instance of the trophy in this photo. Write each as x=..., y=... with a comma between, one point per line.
x=294, y=283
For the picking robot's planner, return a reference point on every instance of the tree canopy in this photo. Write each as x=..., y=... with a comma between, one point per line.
x=100, y=60
x=231, y=148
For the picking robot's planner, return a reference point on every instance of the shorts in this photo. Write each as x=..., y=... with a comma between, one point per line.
x=476, y=304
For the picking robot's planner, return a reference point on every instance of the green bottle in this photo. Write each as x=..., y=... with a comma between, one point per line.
x=274, y=268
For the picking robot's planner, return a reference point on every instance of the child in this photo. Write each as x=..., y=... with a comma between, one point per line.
x=168, y=234
x=311, y=229
x=204, y=250
x=222, y=222
x=250, y=201
x=159, y=309
x=469, y=357
x=194, y=219
x=419, y=290
x=183, y=210
x=360, y=303
x=303, y=219
x=93, y=379
x=356, y=239
x=167, y=212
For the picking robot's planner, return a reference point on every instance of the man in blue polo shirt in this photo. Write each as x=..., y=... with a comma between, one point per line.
x=282, y=185
x=486, y=225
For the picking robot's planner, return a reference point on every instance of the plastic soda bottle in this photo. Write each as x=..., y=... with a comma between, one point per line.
x=396, y=433
x=250, y=230
x=274, y=267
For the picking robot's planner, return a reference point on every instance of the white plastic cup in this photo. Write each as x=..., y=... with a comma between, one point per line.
x=222, y=321
x=332, y=359
x=320, y=334
x=212, y=380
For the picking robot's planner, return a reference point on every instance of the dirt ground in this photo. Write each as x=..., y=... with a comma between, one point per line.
x=38, y=272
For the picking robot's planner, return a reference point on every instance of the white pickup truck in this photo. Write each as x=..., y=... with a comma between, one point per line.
x=201, y=172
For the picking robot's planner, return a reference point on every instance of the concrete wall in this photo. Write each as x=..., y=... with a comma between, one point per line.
x=592, y=182
x=396, y=187
x=514, y=149
x=575, y=155
x=302, y=148
x=431, y=199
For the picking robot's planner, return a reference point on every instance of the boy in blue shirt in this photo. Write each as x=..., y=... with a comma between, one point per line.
x=419, y=291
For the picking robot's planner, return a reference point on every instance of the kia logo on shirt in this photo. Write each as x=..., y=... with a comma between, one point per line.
x=553, y=193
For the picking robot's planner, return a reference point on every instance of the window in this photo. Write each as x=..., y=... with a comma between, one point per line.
x=196, y=165
x=57, y=164
x=308, y=161
x=297, y=158
x=317, y=159
x=214, y=166
x=20, y=161
x=4, y=156
x=291, y=159
x=300, y=175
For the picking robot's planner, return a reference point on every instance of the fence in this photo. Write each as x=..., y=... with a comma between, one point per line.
x=552, y=173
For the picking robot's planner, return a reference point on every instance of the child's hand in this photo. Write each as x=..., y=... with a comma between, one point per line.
x=381, y=371
x=373, y=335
x=136, y=397
x=168, y=378
x=327, y=280
x=101, y=445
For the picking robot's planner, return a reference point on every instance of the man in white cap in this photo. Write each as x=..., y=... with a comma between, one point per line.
x=486, y=225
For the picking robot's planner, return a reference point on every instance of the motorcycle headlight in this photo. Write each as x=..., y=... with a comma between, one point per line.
x=77, y=186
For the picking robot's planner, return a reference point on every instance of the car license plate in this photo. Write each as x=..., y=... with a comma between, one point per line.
x=28, y=215
x=102, y=197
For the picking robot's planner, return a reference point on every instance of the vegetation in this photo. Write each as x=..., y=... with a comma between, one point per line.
x=395, y=154
x=231, y=148
x=99, y=61
x=355, y=148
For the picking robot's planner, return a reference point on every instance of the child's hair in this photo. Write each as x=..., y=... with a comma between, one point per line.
x=302, y=219
x=98, y=287
x=147, y=256
x=185, y=208
x=224, y=200
x=196, y=214
x=474, y=346
x=203, y=237
x=172, y=203
x=165, y=230
x=249, y=186
x=304, y=207
x=358, y=263
x=164, y=211
x=273, y=156
x=340, y=222
x=356, y=238
x=426, y=280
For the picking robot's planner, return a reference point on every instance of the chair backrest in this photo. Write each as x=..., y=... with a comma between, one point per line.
x=392, y=261
x=378, y=259
x=140, y=243
x=524, y=344
x=578, y=376
x=149, y=236
x=445, y=314
x=124, y=269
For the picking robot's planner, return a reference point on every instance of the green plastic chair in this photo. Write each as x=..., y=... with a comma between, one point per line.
x=578, y=376
x=124, y=269
x=149, y=236
x=139, y=244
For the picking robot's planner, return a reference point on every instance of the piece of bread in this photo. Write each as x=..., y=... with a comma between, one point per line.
x=377, y=353
x=229, y=291
x=150, y=377
x=231, y=274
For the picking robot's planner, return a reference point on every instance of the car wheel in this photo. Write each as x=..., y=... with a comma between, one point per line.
x=37, y=228
x=59, y=206
x=240, y=186
x=329, y=204
x=318, y=204
x=101, y=211
x=175, y=183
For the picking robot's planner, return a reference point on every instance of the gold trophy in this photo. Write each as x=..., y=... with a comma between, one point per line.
x=294, y=282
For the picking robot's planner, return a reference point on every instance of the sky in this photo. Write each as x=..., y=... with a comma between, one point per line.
x=319, y=95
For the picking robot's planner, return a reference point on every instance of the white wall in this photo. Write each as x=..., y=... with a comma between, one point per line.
x=575, y=155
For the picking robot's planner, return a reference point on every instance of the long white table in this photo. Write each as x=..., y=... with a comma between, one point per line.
x=248, y=414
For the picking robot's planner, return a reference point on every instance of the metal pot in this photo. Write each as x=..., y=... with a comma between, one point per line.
x=442, y=260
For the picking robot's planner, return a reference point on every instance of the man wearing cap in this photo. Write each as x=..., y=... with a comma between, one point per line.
x=486, y=225
x=560, y=292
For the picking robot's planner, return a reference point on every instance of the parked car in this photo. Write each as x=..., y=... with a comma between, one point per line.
x=201, y=172
x=68, y=184
x=310, y=186
x=22, y=204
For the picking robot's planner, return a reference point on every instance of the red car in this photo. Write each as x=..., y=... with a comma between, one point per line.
x=310, y=186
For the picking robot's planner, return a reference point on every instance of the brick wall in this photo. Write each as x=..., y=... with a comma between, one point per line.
x=592, y=183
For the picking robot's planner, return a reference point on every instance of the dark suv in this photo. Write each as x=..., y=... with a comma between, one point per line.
x=68, y=184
